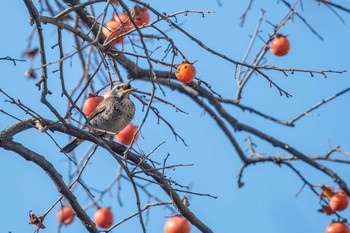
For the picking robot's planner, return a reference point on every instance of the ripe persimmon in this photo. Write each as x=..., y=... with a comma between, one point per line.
x=65, y=215
x=186, y=72
x=125, y=136
x=279, y=45
x=177, y=225
x=103, y=217
x=123, y=20
x=339, y=201
x=112, y=30
x=91, y=103
x=337, y=227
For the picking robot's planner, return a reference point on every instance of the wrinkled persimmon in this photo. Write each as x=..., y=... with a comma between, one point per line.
x=327, y=192
x=326, y=210
x=31, y=53
x=141, y=15
x=186, y=72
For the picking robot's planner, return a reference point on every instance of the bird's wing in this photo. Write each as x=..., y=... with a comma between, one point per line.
x=99, y=108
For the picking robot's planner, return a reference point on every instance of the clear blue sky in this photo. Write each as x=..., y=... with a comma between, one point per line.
x=267, y=202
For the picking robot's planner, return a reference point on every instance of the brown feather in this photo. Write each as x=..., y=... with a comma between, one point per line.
x=99, y=108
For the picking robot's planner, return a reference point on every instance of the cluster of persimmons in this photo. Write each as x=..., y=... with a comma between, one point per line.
x=337, y=201
x=115, y=31
x=103, y=218
x=120, y=24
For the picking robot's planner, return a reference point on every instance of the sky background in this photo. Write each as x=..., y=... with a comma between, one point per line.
x=267, y=202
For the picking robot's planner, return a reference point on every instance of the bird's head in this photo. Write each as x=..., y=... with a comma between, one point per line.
x=121, y=90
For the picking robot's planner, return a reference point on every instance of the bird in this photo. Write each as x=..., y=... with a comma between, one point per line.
x=110, y=116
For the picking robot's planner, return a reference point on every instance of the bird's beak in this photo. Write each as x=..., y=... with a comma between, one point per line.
x=128, y=82
x=127, y=86
x=127, y=90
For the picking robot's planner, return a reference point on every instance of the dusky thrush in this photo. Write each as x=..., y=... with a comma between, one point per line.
x=110, y=116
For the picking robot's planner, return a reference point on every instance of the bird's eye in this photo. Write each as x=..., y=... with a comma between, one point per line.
x=128, y=86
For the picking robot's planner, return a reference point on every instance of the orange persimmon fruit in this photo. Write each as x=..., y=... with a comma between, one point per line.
x=125, y=136
x=337, y=227
x=279, y=45
x=186, y=72
x=339, y=201
x=91, y=103
x=103, y=217
x=65, y=215
x=177, y=224
x=112, y=30
x=123, y=20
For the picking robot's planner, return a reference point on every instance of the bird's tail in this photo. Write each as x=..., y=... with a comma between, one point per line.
x=72, y=145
